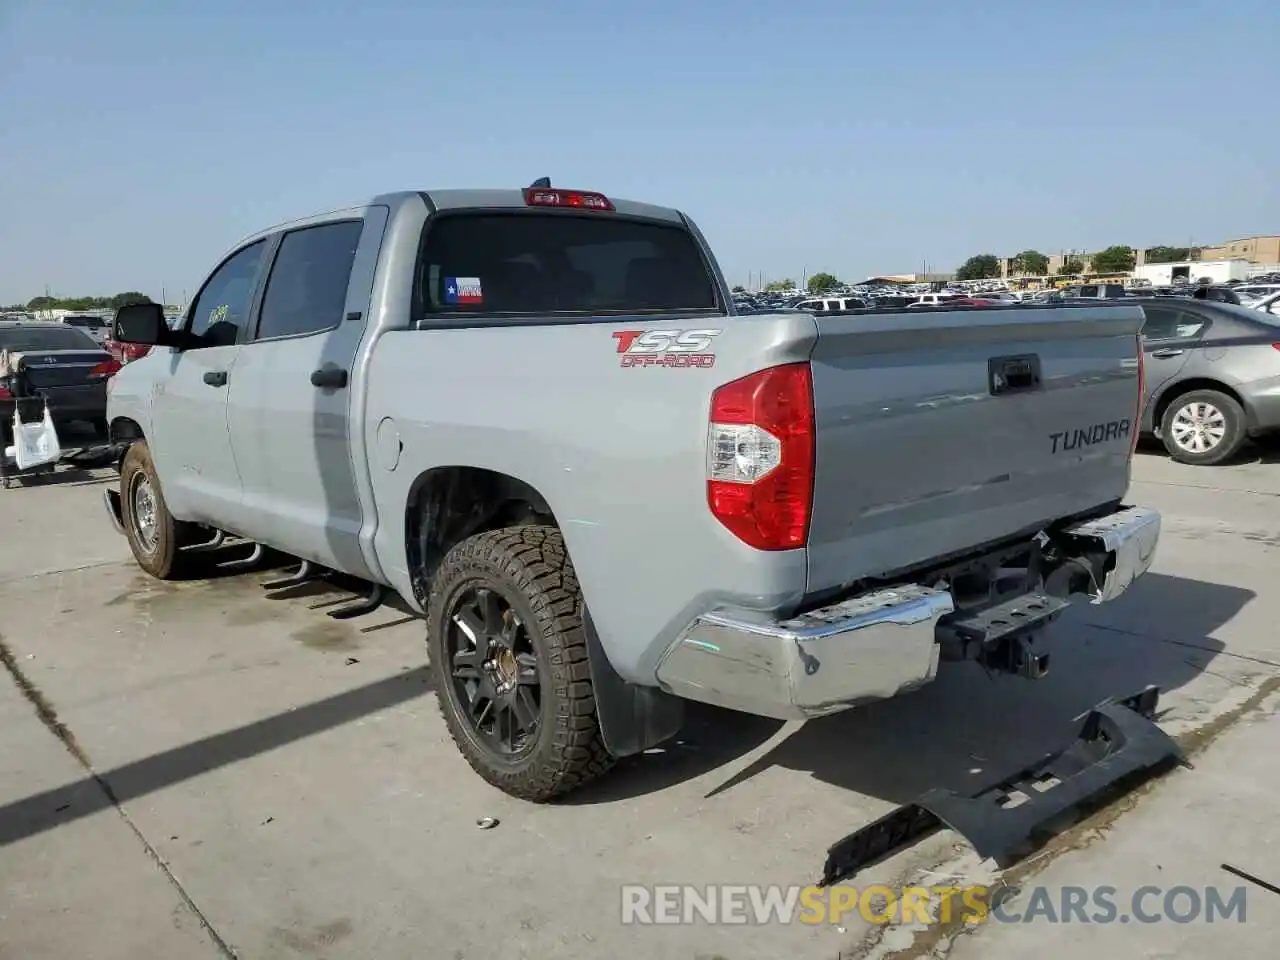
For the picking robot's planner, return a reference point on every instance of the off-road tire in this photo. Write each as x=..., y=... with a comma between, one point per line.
x=1232, y=439
x=530, y=567
x=167, y=561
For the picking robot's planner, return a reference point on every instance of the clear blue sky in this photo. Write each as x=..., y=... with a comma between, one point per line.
x=858, y=137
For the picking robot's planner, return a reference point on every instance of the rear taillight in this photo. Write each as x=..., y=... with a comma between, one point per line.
x=5, y=393
x=1142, y=394
x=760, y=457
x=1276, y=346
x=549, y=197
x=105, y=369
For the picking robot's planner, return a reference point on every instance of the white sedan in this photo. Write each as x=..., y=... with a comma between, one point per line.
x=1268, y=304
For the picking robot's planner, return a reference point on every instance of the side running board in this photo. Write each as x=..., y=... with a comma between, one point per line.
x=1119, y=744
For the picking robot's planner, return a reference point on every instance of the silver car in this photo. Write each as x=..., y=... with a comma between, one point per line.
x=1212, y=376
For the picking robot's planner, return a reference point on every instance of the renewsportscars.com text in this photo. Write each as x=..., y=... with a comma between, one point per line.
x=747, y=904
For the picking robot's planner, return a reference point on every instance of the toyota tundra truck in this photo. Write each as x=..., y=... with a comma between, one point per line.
x=535, y=415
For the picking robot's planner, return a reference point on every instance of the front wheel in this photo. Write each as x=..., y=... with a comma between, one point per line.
x=1203, y=427
x=155, y=537
x=509, y=656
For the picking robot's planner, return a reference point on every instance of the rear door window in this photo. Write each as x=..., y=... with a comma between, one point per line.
x=1167, y=324
x=307, y=287
x=476, y=264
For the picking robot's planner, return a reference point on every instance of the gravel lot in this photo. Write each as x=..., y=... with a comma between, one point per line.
x=216, y=772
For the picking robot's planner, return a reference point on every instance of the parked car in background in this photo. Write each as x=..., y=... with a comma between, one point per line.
x=936, y=299
x=125, y=352
x=60, y=363
x=1095, y=291
x=1269, y=304
x=1213, y=376
x=1208, y=291
x=99, y=328
x=1251, y=294
x=831, y=304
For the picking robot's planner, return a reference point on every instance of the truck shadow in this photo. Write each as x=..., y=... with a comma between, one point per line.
x=967, y=728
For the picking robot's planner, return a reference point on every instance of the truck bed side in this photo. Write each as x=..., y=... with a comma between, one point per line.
x=619, y=453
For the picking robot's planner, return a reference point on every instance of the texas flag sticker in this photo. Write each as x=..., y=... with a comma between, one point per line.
x=462, y=290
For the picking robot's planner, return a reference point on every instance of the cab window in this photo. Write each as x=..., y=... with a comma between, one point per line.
x=221, y=308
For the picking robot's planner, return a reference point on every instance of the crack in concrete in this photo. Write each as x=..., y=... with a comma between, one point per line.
x=1203, y=486
x=36, y=575
x=1174, y=642
x=938, y=939
x=49, y=717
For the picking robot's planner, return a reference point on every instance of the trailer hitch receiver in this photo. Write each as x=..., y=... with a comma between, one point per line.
x=1118, y=744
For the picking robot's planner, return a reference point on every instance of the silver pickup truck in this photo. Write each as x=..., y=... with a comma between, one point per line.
x=534, y=414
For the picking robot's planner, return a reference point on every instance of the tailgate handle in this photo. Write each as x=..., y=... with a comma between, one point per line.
x=1013, y=374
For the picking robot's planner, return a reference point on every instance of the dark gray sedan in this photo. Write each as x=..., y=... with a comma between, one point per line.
x=1213, y=376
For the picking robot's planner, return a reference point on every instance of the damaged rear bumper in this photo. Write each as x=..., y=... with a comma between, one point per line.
x=874, y=645
x=1129, y=539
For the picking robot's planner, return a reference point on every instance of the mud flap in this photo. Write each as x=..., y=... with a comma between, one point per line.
x=632, y=718
x=1119, y=743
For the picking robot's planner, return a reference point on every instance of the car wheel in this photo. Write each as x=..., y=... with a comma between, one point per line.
x=509, y=657
x=154, y=536
x=1203, y=427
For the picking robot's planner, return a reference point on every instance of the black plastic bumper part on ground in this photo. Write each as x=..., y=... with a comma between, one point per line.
x=1119, y=743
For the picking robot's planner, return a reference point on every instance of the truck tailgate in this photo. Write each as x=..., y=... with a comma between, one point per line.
x=940, y=431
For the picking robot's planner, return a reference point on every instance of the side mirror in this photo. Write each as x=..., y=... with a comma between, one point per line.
x=142, y=323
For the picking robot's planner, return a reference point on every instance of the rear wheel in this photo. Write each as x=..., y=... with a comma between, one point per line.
x=509, y=657
x=1203, y=427
x=155, y=537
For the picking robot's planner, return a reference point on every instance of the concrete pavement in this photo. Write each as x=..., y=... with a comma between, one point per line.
x=288, y=779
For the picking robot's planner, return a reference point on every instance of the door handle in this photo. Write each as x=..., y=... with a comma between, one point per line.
x=1167, y=353
x=216, y=378
x=330, y=378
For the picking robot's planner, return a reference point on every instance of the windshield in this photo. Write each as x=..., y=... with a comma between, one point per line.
x=503, y=263
x=94, y=322
x=34, y=339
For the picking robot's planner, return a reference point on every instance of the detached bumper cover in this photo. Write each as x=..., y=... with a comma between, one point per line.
x=867, y=648
x=1118, y=745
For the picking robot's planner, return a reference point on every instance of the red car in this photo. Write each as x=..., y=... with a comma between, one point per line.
x=126, y=352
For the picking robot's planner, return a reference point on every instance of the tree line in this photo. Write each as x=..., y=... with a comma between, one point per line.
x=82, y=303
x=1114, y=259
x=819, y=283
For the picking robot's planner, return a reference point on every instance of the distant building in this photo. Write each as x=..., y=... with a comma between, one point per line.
x=912, y=278
x=1009, y=267
x=1252, y=249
